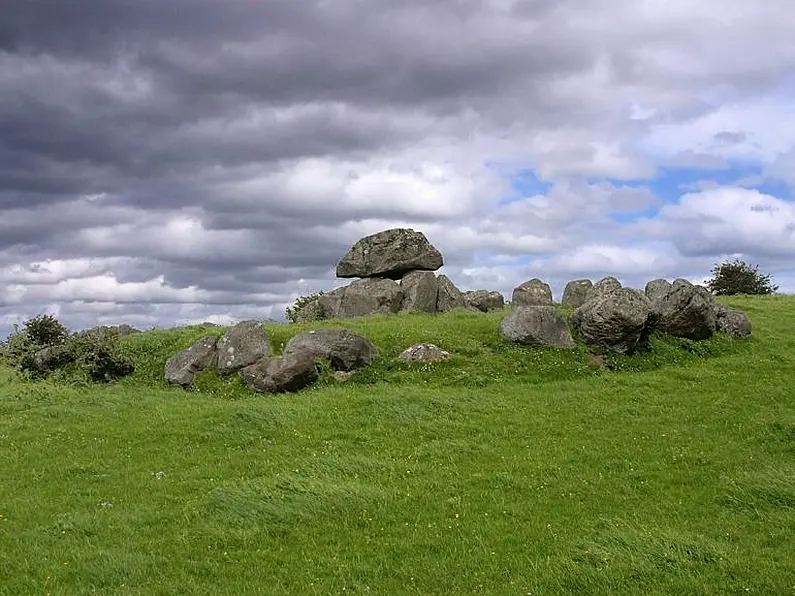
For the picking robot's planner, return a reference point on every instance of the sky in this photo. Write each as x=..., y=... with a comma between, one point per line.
x=166, y=162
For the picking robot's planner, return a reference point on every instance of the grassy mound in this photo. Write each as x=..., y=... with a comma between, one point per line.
x=480, y=357
x=674, y=474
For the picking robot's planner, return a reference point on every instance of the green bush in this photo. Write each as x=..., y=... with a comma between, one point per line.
x=44, y=346
x=302, y=303
x=98, y=355
x=42, y=331
x=45, y=331
x=738, y=277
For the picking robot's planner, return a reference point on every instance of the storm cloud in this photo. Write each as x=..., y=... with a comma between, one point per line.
x=164, y=161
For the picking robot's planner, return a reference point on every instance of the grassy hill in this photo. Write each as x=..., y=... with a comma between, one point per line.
x=506, y=470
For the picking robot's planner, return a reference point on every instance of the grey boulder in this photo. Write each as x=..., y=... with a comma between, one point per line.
x=576, y=293
x=420, y=291
x=620, y=321
x=291, y=372
x=344, y=350
x=532, y=293
x=537, y=326
x=605, y=285
x=657, y=289
x=240, y=346
x=687, y=311
x=484, y=300
x=361, y=298
x=450, y=297
x=182, y=367
x=732, y=321
x=390, y=253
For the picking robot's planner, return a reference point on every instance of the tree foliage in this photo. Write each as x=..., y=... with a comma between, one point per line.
x=738, y=277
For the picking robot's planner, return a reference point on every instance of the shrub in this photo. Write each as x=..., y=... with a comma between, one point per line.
x=98, y=354
x=302, y=303
x=44, y=345
x=42, y=331
x=45, y=330
x=738, y=277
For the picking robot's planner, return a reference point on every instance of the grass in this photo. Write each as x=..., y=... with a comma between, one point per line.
x=506, y=470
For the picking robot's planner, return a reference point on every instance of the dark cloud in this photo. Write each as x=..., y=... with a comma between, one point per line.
x=231, y=148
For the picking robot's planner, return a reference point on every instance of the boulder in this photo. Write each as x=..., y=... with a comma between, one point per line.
x=362, y=298
x=532, y=293
x=118, y=330
x=391, y=253
x=687, y=311
x=330, y=304
x=344, y=350
x=732, y=321
x=656, y=289
x=426, y=353
x=242, y=345
x=606, y=284
x=537, y=326
x=576, y=293
x=420, y=291
x=47, y=360
x=484, y=300
x=620, y=321
x=183, y=366
x=310, y=312
x=450, y=297
x=291, y=372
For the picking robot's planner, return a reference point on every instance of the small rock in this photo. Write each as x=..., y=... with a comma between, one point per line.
x=427, y=353
x=732, y=321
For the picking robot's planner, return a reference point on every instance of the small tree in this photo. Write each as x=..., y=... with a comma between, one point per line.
x=738, y=277
x=45, y=330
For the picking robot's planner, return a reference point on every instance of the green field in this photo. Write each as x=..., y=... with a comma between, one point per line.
x=506, y=470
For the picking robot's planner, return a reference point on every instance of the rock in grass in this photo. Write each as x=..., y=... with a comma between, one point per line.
x=619, y=320
x=182, y=367
x=291, y=372
x=242, y=345
x=687, y=311
x=537, y=326
x=426, y=353
x=732, y=321
x=344, y=350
